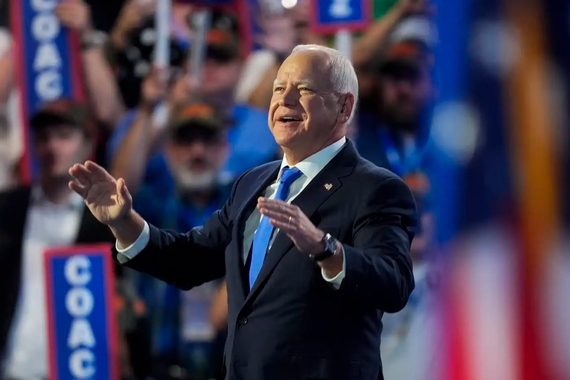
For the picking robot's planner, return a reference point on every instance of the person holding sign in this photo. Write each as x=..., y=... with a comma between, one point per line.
x=33, y=218
x=314, y=248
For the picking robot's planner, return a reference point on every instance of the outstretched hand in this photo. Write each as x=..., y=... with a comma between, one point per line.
x=107, y=198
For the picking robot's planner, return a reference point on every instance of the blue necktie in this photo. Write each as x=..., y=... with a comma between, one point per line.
x=265, y=229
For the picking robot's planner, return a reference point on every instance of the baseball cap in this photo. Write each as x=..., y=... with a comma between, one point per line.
x=409, y=54
x=222, y=40
x=409, y=46
x=197, y=117
x=61, y=112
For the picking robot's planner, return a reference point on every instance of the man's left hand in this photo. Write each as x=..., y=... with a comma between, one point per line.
x=75, y=15
x=306, y=237
x=291, y=220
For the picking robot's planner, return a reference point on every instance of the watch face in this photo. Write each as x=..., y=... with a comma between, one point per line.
x=330, y=245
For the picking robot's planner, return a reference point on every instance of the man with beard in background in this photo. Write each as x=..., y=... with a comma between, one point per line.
x=195, y=152
x=405, y=95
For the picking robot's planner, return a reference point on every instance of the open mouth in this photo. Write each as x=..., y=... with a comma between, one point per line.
x=289, y=119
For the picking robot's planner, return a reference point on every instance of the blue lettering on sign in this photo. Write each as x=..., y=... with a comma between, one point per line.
x=47, y=52
x=80, y=318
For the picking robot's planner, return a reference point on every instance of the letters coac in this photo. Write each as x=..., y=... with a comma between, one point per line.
x=79, y=304
x=47, y=60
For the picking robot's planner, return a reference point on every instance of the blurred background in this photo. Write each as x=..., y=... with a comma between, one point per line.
x=466, y=100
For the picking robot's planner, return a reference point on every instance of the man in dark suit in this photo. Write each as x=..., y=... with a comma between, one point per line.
x=33, y=218
x=314, y=248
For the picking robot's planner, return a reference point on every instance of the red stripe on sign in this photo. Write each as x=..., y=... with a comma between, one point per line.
x=17, y=23
x=50, y=302
x=77, y=84
x=112, y=330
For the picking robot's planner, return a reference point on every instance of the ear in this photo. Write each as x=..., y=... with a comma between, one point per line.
x=346, y=104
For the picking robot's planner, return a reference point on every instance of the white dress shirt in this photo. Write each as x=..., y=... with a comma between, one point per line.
x=310, y=167
x=47, y=225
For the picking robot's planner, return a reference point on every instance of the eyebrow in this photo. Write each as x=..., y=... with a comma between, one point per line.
x=304, y=82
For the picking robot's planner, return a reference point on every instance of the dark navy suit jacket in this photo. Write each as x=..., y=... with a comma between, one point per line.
x=293, y=324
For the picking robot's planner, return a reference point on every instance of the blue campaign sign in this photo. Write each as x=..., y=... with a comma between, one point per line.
x=82, y=335
x=49, y=59
x=329, y=16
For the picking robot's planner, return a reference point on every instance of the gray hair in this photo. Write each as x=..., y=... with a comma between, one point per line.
x=343, y=76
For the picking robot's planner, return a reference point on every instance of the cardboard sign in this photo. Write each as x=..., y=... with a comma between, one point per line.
x=82, y=331
x=49, y=66
x=330, y=16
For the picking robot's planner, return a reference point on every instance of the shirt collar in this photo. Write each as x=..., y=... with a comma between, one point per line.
x=312, y=165
x=39, y=197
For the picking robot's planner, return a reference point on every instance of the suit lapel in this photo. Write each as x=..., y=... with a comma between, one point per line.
x=325, y=184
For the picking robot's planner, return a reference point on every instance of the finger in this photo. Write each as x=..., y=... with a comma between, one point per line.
x=277, y=205
x=288, y=228
x=98, y=172
x=275, y=214
x=81, y=175
x=123, y=191
x=79, y=189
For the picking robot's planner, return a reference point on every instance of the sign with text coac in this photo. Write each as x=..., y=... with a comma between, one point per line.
x=48, y=63
x=330, y=16
x=82, y=331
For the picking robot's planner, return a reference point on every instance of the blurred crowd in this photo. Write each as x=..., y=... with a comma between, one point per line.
x=179, y=141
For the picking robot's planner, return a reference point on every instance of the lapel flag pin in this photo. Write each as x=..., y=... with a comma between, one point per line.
x=328, y=186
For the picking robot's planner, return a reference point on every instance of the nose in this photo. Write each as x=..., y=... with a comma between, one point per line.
x=289, y=98
x=198, y=147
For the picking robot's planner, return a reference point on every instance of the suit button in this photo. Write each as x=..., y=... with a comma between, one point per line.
x=243, y=321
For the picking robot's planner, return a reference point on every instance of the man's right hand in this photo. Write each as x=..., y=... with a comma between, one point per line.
x=108, y=199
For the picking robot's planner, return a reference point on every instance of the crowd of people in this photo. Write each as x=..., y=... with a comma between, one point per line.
x=179, y=142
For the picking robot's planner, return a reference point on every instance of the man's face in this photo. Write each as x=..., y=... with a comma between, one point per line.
x=196, y=160
x=304, y=108
x=220, y=76
x=405, y=93
x=59, y=147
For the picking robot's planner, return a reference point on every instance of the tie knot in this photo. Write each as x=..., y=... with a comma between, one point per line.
x=289, y=175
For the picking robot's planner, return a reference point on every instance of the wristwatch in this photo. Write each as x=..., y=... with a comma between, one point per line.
x=330, y=248
x=92, y=39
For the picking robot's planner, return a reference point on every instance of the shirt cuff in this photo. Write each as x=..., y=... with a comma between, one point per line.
x=126, y=254
x=336, y=281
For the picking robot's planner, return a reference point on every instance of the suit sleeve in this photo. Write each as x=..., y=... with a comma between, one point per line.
x=189, y=259
x=378, y=264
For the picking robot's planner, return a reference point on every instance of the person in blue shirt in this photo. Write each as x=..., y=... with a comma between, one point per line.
x=250, y=140
x=192, y=188
x=392, y=132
